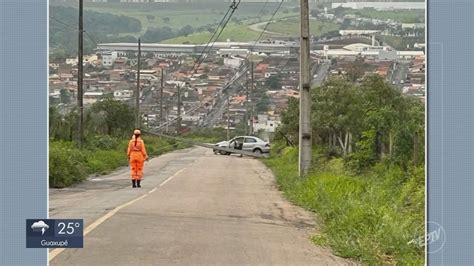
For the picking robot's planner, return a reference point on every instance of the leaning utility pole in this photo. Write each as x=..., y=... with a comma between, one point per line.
x=137, y=98
x=305, y=97
x=80, y=76
x=178, y=123
x=161, y=98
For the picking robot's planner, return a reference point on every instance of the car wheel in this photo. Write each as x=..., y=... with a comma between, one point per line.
x=257, y=151
x=222, y=152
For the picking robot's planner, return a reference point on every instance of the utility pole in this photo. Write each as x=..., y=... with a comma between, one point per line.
x=178, y=125
x=228, y=118
x=137, y=98
x=247, y=99
x=305, y=97
x=167, y=118
x=251, y=98
x=161, y=98
x=80, y=76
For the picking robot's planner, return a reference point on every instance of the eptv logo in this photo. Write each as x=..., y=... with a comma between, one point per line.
x=435, y=237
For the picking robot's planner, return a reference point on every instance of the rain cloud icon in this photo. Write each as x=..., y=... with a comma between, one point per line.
x=40, y=226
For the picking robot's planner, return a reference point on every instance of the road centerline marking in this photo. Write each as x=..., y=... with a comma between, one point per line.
x=171, y=177
x=96, y=223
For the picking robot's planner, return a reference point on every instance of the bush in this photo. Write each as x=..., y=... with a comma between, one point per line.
x=103, y=142
x=370, y=218
x=66, y=165
x=101, y=155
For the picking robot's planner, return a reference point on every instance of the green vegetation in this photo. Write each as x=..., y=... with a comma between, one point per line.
x=370, y=217
x=108, y=126
x=404, y=16
x=100, y=27
x=291, y=26
x=101, y=155
x=401, y=43
x=176, y=16
x=367, y=181
x=153, y=22
x=232, y=32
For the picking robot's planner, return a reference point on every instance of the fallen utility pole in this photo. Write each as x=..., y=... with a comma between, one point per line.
x=305, y=97
x=209, y=146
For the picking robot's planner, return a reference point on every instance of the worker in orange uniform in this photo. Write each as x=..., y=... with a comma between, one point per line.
x=136, y=156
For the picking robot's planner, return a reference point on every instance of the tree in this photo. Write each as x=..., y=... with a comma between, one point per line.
x=346, y=23
x=336, y=114
x=158, y=34
x=54, y=122
x=166, y=20
x=186, y=30
x=64, y=96
x=273, y=82
x=356, y=69
x=289, y=127
x=364, y=123
x=150, y=17
x=117, y=117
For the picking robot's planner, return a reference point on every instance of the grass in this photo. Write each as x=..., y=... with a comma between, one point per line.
x=404, y=16
x=291, y=26
x=369, y=218
x=400, y=43
x=232, y=32
x=69, y=165
x=180, y=15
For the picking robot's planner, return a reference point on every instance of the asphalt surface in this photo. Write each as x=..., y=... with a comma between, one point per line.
x=400, y=73
x=194, y=208
x=321, y=72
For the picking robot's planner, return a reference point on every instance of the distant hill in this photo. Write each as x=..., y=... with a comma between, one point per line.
x=63, y=29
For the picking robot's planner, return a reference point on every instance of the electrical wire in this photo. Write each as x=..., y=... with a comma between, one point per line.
x=222, y=26
x=74, y=28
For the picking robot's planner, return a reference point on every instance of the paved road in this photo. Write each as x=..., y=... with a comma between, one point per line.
x=400, y=73
x=260, y=26
x=195, y=208
x=321, y=72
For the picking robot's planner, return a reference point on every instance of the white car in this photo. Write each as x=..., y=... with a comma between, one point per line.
x=245, y=143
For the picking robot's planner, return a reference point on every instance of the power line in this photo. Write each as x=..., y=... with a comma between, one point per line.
x=91, y=38
x=234, y=7
x=258, y=14
x=62, y=23
x=74, y=28
x=209, y=46
x=266, y=25
x=212, y=37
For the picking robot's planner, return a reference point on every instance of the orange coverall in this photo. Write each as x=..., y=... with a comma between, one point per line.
x=137, y=156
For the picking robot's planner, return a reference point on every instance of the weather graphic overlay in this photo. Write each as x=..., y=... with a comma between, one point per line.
x=54, y=233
